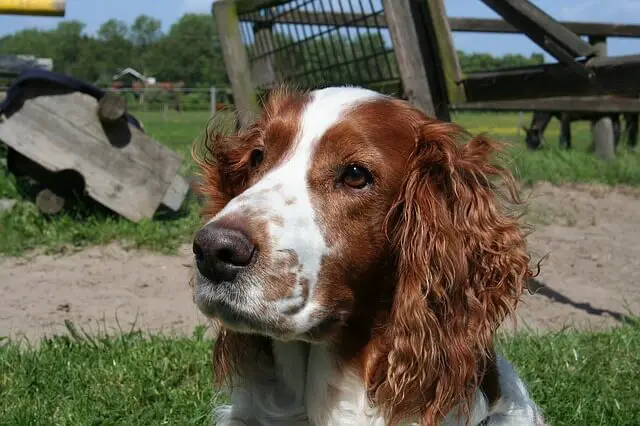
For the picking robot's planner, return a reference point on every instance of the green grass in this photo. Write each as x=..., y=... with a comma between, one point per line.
x=578, y=378
x=24, y=229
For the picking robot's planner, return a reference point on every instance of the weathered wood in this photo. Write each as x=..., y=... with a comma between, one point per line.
x=33, y=7
x=603, y=124
x=412, y=55
x=244, y=6
x=617, y=75
x=603, y=138
x=473, y=25
x=448, y=56
x=479, y=25
x=49, y=202
x=262, y=67
x=235, y=59
x=540, y=27
x=176, y=193
x=111, y=107
x=59, y=130
x=599, y=104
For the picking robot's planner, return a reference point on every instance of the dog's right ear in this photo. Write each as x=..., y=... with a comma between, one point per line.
x=462, y=266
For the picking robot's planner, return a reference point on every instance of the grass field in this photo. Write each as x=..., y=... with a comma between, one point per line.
x=24, y=229
x=577, y=378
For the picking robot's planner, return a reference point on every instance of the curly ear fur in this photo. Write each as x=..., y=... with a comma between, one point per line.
x=462, y=266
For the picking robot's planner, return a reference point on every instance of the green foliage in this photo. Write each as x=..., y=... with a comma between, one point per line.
x=475, y=62
x=578, y=378
x=189, y=52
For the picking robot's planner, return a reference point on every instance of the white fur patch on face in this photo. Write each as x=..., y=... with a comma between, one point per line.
x=282, y=199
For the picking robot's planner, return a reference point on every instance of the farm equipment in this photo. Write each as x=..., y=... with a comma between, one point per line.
x=74, y=138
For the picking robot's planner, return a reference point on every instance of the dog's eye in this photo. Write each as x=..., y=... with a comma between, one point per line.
x=257, y=155
x=356, y=177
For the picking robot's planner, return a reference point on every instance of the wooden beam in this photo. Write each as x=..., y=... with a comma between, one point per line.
x=613, y=76
x=415, y=51
x=247, y=6
x=33, y=7
x=478, y=25
x=262, y=67
x=235, y=59
x=321, y=18
x=582, y=104
x=451, y=69
x=541, y=28
x=473, y=25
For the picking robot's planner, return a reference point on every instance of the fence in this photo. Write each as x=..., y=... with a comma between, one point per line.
x=179, y=99
x=321, y=42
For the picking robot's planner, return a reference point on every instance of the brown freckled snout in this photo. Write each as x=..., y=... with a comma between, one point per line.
x=221, y=253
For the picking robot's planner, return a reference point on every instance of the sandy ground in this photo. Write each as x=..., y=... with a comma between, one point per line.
x=589, y=279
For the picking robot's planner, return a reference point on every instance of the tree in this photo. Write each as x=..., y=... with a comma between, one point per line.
x=115, y=47
x=188, y=53
x=144, y=33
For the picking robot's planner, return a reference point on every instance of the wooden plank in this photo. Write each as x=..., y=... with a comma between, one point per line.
x=473, y=25
x=325, y=18
x=247, y=6
x=411, y=55
x=176, y=193
x=596, y=104
x=262, y=67
x=111, y=107
x=480, y=25
x=540, y=27
x=61, y=131
x=613, y=76
x=452, y=72
x=603, y=138
x=236, y=60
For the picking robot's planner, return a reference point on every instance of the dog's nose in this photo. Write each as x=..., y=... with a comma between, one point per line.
x=221, y=252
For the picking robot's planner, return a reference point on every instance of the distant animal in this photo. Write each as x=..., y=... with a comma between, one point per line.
x=358, y=260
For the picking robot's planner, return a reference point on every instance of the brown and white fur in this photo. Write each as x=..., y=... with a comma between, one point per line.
x=372, y=258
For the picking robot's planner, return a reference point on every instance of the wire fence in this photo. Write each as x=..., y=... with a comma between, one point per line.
x=349, y=43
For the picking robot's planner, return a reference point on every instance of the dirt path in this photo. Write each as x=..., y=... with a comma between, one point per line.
x=591, y=235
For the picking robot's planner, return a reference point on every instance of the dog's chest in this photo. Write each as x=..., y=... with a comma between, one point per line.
x=329, y=395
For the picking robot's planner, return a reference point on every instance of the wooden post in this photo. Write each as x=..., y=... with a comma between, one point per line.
x=213, y=100
x=262, y=68
x=602, y=130
x=111, y=107
x=235, y=59
x=33, y=7
x=448, y=55
x=418, y=55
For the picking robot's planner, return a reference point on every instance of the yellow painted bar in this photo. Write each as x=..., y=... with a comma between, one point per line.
x=33, y=7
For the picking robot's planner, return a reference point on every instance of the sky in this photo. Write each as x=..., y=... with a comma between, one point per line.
x=94, y=12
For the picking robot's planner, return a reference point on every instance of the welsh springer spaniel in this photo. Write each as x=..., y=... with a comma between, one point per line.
x=358, y=261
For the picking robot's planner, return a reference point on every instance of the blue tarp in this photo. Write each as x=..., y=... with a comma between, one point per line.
x=32, y=75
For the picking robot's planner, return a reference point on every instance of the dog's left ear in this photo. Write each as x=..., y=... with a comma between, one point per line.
x=462, y=266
